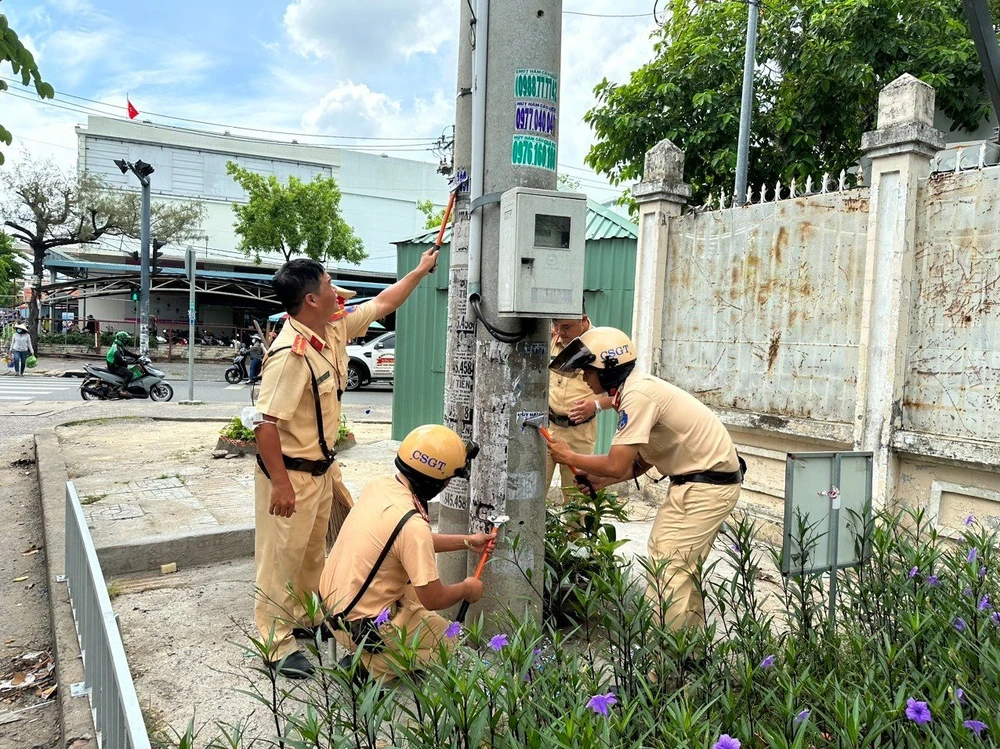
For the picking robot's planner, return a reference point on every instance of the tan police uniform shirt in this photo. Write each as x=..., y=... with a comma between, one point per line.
x=566, y=389
x=366, y=530
x=286, y=391
x=676, y=432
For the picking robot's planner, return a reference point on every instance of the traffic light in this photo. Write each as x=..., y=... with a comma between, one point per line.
x=154, y=260
x=135, y=295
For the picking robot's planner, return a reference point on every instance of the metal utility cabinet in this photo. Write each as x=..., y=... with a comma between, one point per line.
x=542, y=246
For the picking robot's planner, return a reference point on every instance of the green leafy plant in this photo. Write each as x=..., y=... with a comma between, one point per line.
x=913, y=660
x=343, y=432
x=235, y=430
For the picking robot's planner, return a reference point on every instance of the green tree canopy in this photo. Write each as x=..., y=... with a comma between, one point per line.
x=434, y=216
x=22, y=62
x=11, y=271
x=820, y=67
x=297, y=218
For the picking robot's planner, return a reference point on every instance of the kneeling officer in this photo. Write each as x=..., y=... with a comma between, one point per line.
x=382, y=572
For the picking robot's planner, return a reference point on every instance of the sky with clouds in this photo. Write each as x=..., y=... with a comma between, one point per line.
x=382, y=68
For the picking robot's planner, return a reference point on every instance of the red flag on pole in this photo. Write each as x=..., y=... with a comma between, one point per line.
x=132, y=111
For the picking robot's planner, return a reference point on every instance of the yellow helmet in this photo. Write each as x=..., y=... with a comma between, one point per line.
x=436, y=452
x=607, y=350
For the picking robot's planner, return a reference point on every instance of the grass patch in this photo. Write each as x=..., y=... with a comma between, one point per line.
x=115, y=589
x=92, y=498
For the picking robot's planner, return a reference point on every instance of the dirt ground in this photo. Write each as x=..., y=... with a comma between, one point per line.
x=29, y=709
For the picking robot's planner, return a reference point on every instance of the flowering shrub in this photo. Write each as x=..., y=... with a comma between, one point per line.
x=770, y=669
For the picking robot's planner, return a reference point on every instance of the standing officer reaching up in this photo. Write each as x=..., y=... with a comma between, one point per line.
x=663, y=426
x=296, y=422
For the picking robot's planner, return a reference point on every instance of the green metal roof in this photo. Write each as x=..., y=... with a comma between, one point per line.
x=602, y=223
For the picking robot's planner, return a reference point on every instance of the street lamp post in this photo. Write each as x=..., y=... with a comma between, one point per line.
x=142, y=170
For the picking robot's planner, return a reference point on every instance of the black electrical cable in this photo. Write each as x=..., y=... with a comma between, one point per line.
x=500, y=335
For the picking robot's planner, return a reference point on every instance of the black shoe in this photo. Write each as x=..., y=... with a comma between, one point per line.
x=306, y=633
x=361, y=675
x=294, y=666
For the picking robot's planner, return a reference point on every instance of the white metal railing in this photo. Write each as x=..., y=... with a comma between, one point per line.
x=827, y=184
x=107, y=680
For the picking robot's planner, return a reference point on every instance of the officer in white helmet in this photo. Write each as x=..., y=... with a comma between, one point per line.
x=381, y=576
x=661, y=426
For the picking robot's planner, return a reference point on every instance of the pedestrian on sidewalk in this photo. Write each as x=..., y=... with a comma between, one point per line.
x=297, y=419
x=21, y=348
x=663, y=426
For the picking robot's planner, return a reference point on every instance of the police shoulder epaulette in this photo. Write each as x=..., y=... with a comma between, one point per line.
x=299, y=345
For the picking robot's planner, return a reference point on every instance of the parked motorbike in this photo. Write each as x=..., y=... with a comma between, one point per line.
x=241, y=367
x=100, y=384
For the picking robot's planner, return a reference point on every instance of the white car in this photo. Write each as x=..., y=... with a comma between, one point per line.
x=374, y=361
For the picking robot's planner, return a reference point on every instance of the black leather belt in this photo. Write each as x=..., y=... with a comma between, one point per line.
x=564, y=421
x=719, y=478
x=314, y=467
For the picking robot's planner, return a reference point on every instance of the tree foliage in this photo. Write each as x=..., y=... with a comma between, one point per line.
x=47, y=208
x=293, y=219
x=434, y=215
x=22, y=62
x=820, y=67
x=11, y=271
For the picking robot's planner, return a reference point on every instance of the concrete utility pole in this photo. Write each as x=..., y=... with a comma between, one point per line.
x=461, y=344
x=522, y=44
x=746, y=108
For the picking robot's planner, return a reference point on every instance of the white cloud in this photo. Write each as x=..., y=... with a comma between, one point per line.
x=358, y=35
x=347, y=102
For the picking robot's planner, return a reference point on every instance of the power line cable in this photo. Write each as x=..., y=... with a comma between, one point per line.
x=420, y=147
x=234, y=127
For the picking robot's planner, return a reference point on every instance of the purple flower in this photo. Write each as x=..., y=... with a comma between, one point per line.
x=976, y=726
x=726, y=742
x=970, y=520
x=960, y=695
x=961, y=539
x=972, y=555
x=453, y=631
x=918, y=711
x=996, y=617
x=967, y=592
x=959, y=624
x=984, y=602
x=767, y=662
x=736, y=548
x=382, y=618
x=982, y=572
x=498, y=642
x=803, y=716
x=601, y=703
x=914, y=571
x=933, y=581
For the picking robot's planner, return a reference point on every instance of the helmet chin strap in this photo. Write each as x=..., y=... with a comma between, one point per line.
x=423, y=488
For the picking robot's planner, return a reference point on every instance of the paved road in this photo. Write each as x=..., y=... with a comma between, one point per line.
x=32, y=388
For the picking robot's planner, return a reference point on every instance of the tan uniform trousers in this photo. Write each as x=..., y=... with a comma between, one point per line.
x=413, y=621
x=684, y=530
x=291, y=550
x=581, y=439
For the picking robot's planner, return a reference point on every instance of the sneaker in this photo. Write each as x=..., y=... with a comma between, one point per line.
x=294, y=666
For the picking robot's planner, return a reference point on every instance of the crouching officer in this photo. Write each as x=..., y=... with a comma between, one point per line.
x=298, y=481
x=573, y=407
x=662, y=426
x=382, y=575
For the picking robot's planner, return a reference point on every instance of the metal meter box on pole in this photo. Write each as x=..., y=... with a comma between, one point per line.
x=542, y=245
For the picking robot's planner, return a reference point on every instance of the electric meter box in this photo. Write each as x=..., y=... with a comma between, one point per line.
x=542, y=241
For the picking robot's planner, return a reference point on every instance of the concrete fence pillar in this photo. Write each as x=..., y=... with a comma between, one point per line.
x=901, y=150
x=661, y=195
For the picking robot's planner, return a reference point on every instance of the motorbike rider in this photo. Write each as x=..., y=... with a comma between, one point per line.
x=256, y=354
x=119, y=358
